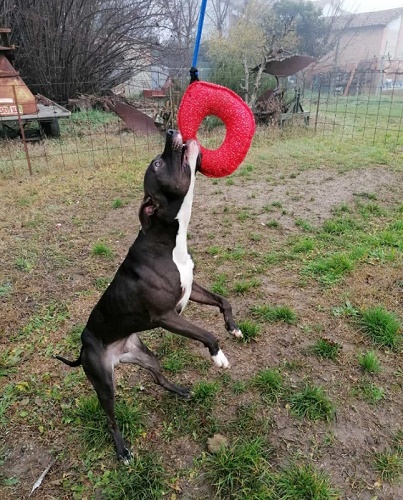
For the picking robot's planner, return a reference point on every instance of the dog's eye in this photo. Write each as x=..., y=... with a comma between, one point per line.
x=157, y=163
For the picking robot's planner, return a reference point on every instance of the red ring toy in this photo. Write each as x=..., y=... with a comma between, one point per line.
x=202, y=99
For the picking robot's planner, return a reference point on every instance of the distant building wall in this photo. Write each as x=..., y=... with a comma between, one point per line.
x=392, y=42
x=359, y=44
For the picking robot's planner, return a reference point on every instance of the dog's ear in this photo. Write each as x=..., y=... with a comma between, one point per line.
x=147, y=208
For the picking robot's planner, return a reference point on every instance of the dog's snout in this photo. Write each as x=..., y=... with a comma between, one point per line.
x=170, y=132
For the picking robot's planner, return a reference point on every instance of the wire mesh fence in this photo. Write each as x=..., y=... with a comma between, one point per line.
x=357, y=104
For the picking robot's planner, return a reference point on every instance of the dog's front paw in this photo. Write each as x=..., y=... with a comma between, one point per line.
x=125, y=455
x=220, y=360
x=236, y=332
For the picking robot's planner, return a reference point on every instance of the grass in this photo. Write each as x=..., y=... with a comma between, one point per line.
x=389, y=465
x=250, y=330
x=271, y=314
x=330, y=269
x=144, y=479
x=242, y=287
x=311, y=403
x=117, y=203
x=398, y=442
x=369, y=392
x=269, y=383
x=239, y=471
x=303, y=482
x=243, y=471
x=325, y=348
x=220, y=285
x=47, y=298
x=101, y=250
x=5, y=289
x=369, y=362
x=91, y=421
x=382, y=327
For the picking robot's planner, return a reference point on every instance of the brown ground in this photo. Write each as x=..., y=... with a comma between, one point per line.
x=58, y=241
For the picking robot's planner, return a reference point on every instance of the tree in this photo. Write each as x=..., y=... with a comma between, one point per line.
x=229, y=54
x=264, y=30
x=218, y=14
x=70, y=46
x=179, y=23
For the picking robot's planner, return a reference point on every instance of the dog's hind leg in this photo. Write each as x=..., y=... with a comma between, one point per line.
x=142, y=356
x=203, y=296
x=99, y=370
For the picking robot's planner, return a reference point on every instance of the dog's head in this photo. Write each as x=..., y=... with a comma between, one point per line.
x=168, y=178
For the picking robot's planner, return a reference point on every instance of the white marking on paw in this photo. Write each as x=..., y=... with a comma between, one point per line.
x=236, y=332
x=220, y=360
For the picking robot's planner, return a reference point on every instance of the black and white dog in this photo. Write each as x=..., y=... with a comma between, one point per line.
x=152, y=286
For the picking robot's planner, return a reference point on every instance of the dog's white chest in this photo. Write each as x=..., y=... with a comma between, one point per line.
x=180, y=254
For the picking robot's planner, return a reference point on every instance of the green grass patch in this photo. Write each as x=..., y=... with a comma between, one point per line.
x=304, y=225
x=5, y=289
x=244, y=215
x=250, y=330
x=272, y=224
x=143, y=479
x=193, y=417
x=340, y=225
x=91, y=421
x=118, y=203
x=176, y=361
x=203, y=393
x=242, y=287
x=369, y=392
x=303, y=245
x=345, y=310
x=311, y=403
x=398, y=441
x=325, y=348
x=101, y=250
x=389, y=465
x=369, y=362
x=381, y=326
x=281, y=314
x=237, y=253
x=102, y=283
x=23, y=264
x=240, y=471
x=331, y=269
x=213, y=250
x=47, y=321
x=269, y=383
x=220, y=285
x=303, y=482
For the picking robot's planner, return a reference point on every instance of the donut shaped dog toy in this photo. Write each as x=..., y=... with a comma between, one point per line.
x=202, y=99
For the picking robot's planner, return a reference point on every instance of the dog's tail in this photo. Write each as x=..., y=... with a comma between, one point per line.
x=77, y=362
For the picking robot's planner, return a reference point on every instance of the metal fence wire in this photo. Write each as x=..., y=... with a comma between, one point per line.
x=358, y=104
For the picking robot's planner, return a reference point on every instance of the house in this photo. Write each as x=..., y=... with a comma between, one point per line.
x=367, y=52
x=369, y=35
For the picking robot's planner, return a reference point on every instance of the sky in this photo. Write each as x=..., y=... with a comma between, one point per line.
x=371, y=5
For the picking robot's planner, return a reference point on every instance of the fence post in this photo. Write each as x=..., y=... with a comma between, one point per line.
x=22, y=132
x=317, y=103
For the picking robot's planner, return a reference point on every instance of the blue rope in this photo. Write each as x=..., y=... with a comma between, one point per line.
x=199, y=32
